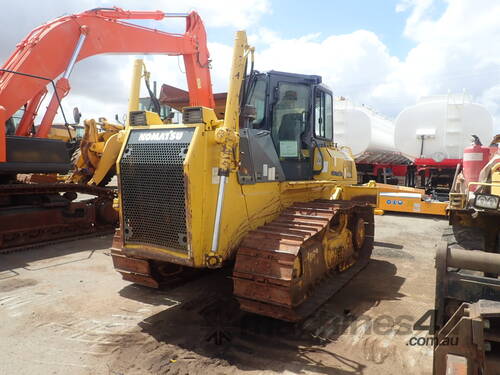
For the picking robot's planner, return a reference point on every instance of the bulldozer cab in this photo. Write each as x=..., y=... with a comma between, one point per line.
x=294, y=114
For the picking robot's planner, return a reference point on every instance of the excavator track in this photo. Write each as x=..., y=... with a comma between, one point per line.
x=97, y=233
x=35, y=215
x=29, y=189
x=289, y=267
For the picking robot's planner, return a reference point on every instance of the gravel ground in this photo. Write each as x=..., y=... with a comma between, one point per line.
x=64, y=310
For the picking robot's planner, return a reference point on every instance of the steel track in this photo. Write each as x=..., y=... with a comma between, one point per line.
x=50, y=223
x=266, y=278
x=103, y=232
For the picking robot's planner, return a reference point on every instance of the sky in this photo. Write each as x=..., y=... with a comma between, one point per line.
x=382, y=53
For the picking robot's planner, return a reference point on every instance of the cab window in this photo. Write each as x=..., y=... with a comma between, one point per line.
x=323, y=115
x=258, y=100
x=12, y=123
x=290, y=119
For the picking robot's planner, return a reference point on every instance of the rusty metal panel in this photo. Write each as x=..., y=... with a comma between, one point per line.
x=38, y=214
x=140, y=279
x=263, y=291
x=265, y=266
x=270, y=245
x=122, y=263
x=469, y=341
x=277, y=312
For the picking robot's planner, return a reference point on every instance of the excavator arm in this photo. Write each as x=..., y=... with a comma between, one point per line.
x=51, y=50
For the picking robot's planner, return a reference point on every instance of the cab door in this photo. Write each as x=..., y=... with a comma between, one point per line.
x=290, y=130
x=322, y=129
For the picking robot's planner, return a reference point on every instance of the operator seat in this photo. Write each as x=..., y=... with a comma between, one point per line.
x=10, y=127
x=290, y=128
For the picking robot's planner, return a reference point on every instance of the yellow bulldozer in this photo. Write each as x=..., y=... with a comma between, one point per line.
x=94, y=146
x=94, y=161
x=265, y=191
x=474, y=208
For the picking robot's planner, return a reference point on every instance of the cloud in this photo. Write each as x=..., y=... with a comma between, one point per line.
x=419, y=20
x=219, y=13
x=454, y=51
x=351, y=64
x=491, y=100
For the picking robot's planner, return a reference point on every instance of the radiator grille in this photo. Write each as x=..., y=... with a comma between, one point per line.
x=153, y=194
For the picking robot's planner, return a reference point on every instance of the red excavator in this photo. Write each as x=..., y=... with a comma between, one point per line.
x=34, y=214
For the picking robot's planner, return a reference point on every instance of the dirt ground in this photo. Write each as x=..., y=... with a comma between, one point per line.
x=63, y=310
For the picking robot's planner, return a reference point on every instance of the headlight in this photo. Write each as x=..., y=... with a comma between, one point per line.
x=487, y=201
x=192, y=115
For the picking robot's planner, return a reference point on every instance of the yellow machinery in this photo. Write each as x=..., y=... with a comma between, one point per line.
x=95, y=160
x=100, y=145
x=474, y=207
x=266, y=188
x=467, y=271
x=409, y=200
x=66, y=133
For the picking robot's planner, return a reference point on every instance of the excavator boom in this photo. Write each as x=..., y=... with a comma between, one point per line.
x=53, y=48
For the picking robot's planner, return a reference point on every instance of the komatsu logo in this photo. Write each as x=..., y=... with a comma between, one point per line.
x=161, y=136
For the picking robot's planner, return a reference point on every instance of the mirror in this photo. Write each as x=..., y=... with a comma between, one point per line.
x=77, y=115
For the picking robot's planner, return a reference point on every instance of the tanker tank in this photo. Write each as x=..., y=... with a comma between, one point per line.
x=362, y=129
x=438, y=128
x=370, y=137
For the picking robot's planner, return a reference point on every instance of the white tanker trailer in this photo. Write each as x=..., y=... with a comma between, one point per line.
x=370, y=137
x=440, y=127
x=433, y=134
